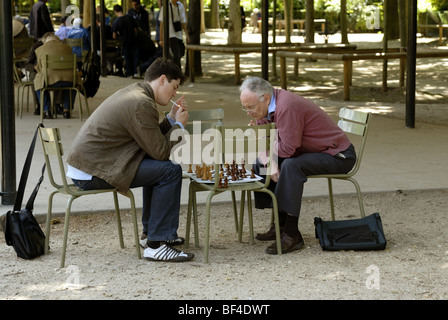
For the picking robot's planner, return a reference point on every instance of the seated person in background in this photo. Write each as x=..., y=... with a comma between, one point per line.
x=78, y=32
x=62, y=32
x=56, y=78
x=20, y=32
x=147, y=51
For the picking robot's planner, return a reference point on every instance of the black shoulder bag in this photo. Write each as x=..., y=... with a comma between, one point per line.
x=22, y=231
x=357, y=234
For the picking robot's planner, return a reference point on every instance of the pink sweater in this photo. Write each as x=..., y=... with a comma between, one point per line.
x=303, y=127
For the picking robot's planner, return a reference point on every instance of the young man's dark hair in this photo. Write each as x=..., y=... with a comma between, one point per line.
x=164, y=66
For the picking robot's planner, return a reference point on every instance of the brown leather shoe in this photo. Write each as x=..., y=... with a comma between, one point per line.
x=268, y=235
x=288, y=244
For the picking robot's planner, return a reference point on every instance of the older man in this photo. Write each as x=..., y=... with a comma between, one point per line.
x=309, y=142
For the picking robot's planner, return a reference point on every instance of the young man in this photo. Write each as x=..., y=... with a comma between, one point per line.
x=122, y=145
x=309, y=142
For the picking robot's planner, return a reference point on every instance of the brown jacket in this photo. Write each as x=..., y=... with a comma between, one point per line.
x=52, y=47
x=119, y=134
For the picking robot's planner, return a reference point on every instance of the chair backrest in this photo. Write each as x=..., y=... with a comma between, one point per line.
x=77, y=43
x=357, y=123
x=59, y=62
x=204, y=119
x=201, y=120
x=243, y=145
x=74, y=43
x=53, y=152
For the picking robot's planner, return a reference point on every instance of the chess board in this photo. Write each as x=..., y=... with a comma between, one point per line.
x=230, y=181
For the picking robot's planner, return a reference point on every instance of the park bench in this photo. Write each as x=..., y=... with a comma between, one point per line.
x=439, y=26
x=239, y=49
x=348, y=58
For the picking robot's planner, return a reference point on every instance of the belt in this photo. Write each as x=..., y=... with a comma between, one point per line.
x=347, y=154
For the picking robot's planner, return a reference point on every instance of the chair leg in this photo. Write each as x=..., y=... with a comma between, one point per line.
x=360, y=201
x=66, y=225
x=330, y=194
x=42, y=105
x=250, y=218
x=118, y=217
x=276, y=220
x=130, y=195
x=235, y=211
x=240, y=229
x=48, y=222
x=188, y=223
x=195, y=221
x=207, y=226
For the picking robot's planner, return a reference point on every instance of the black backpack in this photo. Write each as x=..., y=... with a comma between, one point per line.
x=91, y=73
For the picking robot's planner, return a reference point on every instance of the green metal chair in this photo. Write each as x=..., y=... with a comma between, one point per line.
x=52, y=149
x=232, y=144
x=21, y=86
x=356, y=123
x=62, y=62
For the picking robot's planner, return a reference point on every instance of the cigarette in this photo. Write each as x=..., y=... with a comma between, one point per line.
x=175, y=104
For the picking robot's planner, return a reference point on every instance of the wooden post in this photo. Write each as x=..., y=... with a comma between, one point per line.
x=283, y=72
x=191, y=64
x=347, y=73
x=237, y=68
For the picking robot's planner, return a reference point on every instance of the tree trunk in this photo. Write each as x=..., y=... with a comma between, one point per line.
x=402, y=7
x=343, y=21
x=392, y=21
x=86, y=13
x=287, y=4
x=214, y=14
x=194, y=32
x=234, y=27
x=309, y=21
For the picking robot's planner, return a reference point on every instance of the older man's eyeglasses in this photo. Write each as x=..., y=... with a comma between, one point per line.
x=252, y=108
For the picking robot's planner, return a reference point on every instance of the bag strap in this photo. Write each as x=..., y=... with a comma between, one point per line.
x=172, y=16
x=30, y=203
x=25, y=172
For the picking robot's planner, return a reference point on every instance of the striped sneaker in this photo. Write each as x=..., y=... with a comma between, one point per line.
x=176, y=242
x=167, y=254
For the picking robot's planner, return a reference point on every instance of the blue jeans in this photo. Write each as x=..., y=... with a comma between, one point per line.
x=162, y=183
x=66, y=94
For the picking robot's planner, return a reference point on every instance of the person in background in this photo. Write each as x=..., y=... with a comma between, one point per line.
x=177, y=24
x=125, y=27
x=56, y=78
x=79, y=32
x=123, y=145
x=309, y=143
x=39, y=20
x=140, y=15
x=62, y=32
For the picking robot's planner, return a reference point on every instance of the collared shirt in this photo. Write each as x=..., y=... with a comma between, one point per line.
x=271, y=108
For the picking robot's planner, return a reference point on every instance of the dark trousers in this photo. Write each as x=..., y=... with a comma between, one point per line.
x=293, y=175
x=177, y=50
